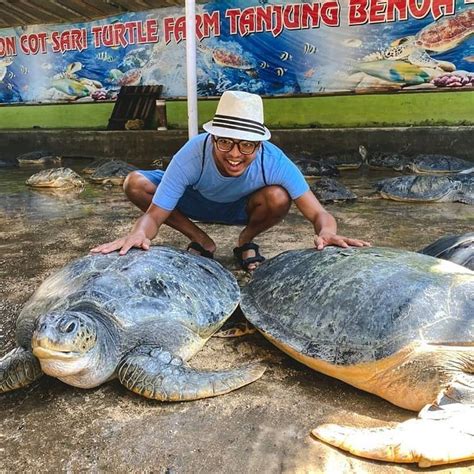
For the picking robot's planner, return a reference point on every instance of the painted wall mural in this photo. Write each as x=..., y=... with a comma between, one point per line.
x=266, y=47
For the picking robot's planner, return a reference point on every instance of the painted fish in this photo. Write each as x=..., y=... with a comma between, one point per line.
x=4, y=63
x=106, y=57
x=263, y=64
x=280, y=71
x=310, y=48
x=469, y=59
x=352, y=43
x=285, y=56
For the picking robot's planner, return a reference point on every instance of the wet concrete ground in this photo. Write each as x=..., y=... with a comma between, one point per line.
x=263, y=427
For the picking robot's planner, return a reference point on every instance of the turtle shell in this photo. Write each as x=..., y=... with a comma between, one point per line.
x=350, y=306
x=163, y=286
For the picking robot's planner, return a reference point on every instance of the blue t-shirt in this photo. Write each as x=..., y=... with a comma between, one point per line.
x=188, y=168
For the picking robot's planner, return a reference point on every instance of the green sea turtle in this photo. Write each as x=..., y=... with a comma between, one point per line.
x=311, y=168
x=455, y=248
x=137, y=317
x=225, y=58
x=330, y=190
x=438, y=164
x=56, y=178
x=427, y=188
x=437, y=37
x=112, y=172
x=92, y=167
x=394, y=323
x=384, y=160
x=38, y=158
x=345, y=160
x=9, y=163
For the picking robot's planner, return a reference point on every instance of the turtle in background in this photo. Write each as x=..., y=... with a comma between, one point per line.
x=137, y=317
x=56, y=178
x=331, y=190
x=314, y=167
x=9, y=163
x=455, y=248
x=394, y=323
x=92, y=167
x=38, y=158
x=438, y=164
x=384, y=160
x=113, y=172
x=427, y=188
x=347, y=160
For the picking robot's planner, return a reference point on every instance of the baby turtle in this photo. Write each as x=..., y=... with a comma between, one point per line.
x=331, y=190
x=113, y=172
x=137, y=317
x=438, y=164
x=394, y=323
x=56, y=178
x=38, y=158
x=426, y=188
x=455, y=248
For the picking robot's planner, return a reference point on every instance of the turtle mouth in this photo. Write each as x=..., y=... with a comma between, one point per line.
x=47, y=353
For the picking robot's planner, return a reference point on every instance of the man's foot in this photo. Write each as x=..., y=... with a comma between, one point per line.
x=248, y=256
x=197, y=249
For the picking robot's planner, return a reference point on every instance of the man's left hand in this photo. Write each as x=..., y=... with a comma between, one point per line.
x=327, y=238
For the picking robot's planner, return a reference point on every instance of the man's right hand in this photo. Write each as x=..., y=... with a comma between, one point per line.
x=138, y=240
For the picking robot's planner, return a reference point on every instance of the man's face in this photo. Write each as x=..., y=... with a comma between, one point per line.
x=233, y=157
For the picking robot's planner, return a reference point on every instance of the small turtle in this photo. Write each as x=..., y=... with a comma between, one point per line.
x=384, y=160
x=344, y=160
x=137, y=317
x=113, y=172
x=438, y=37
x=394, y=323
x=438, y=164
x=426, y=188
x=225, y=58
x=38, y=158
x=56, y=178
x=311, y=168
x=331, y=190
x=455, y=248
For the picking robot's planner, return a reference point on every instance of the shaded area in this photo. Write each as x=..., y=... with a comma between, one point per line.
x=262, y=427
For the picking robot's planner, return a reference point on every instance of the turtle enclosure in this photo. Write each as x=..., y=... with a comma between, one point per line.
x=263, y=427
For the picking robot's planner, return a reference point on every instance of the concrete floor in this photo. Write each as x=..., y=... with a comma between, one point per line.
x=263, y=427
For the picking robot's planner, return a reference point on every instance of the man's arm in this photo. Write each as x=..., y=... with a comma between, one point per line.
x=325, y=227
x=144, y=230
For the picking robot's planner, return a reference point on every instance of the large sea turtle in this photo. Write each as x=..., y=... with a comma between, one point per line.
x=394, y=323
x=438, y=164
x=112, y=172
x=137, y=317
x=427, y=188
x=56, y=178
x=438, y=37
x=314, y=167
x=330, y=190
x=455, y=248
x=41, y=157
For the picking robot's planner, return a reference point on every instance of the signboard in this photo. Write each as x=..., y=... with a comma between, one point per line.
x=267, y=47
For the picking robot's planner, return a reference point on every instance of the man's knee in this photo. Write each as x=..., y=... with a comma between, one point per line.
x=277, y=199
x=135, y=183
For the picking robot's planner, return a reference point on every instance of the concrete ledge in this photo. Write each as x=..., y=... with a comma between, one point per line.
x=150, y=144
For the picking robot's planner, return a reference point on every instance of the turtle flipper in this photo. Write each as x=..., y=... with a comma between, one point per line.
x=443, y=433
x=155, y=373
x=18, y=368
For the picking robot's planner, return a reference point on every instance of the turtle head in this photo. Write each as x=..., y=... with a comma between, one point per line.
x=68, y=348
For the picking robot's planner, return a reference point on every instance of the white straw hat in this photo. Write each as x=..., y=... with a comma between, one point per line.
x=239, y=115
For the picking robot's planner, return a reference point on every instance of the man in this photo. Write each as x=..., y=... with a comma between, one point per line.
x=230, y=175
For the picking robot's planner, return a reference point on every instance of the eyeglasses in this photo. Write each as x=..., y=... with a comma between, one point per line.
x=227, y=144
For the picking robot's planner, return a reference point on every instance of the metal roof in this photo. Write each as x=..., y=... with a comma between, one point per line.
x=31, y=12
